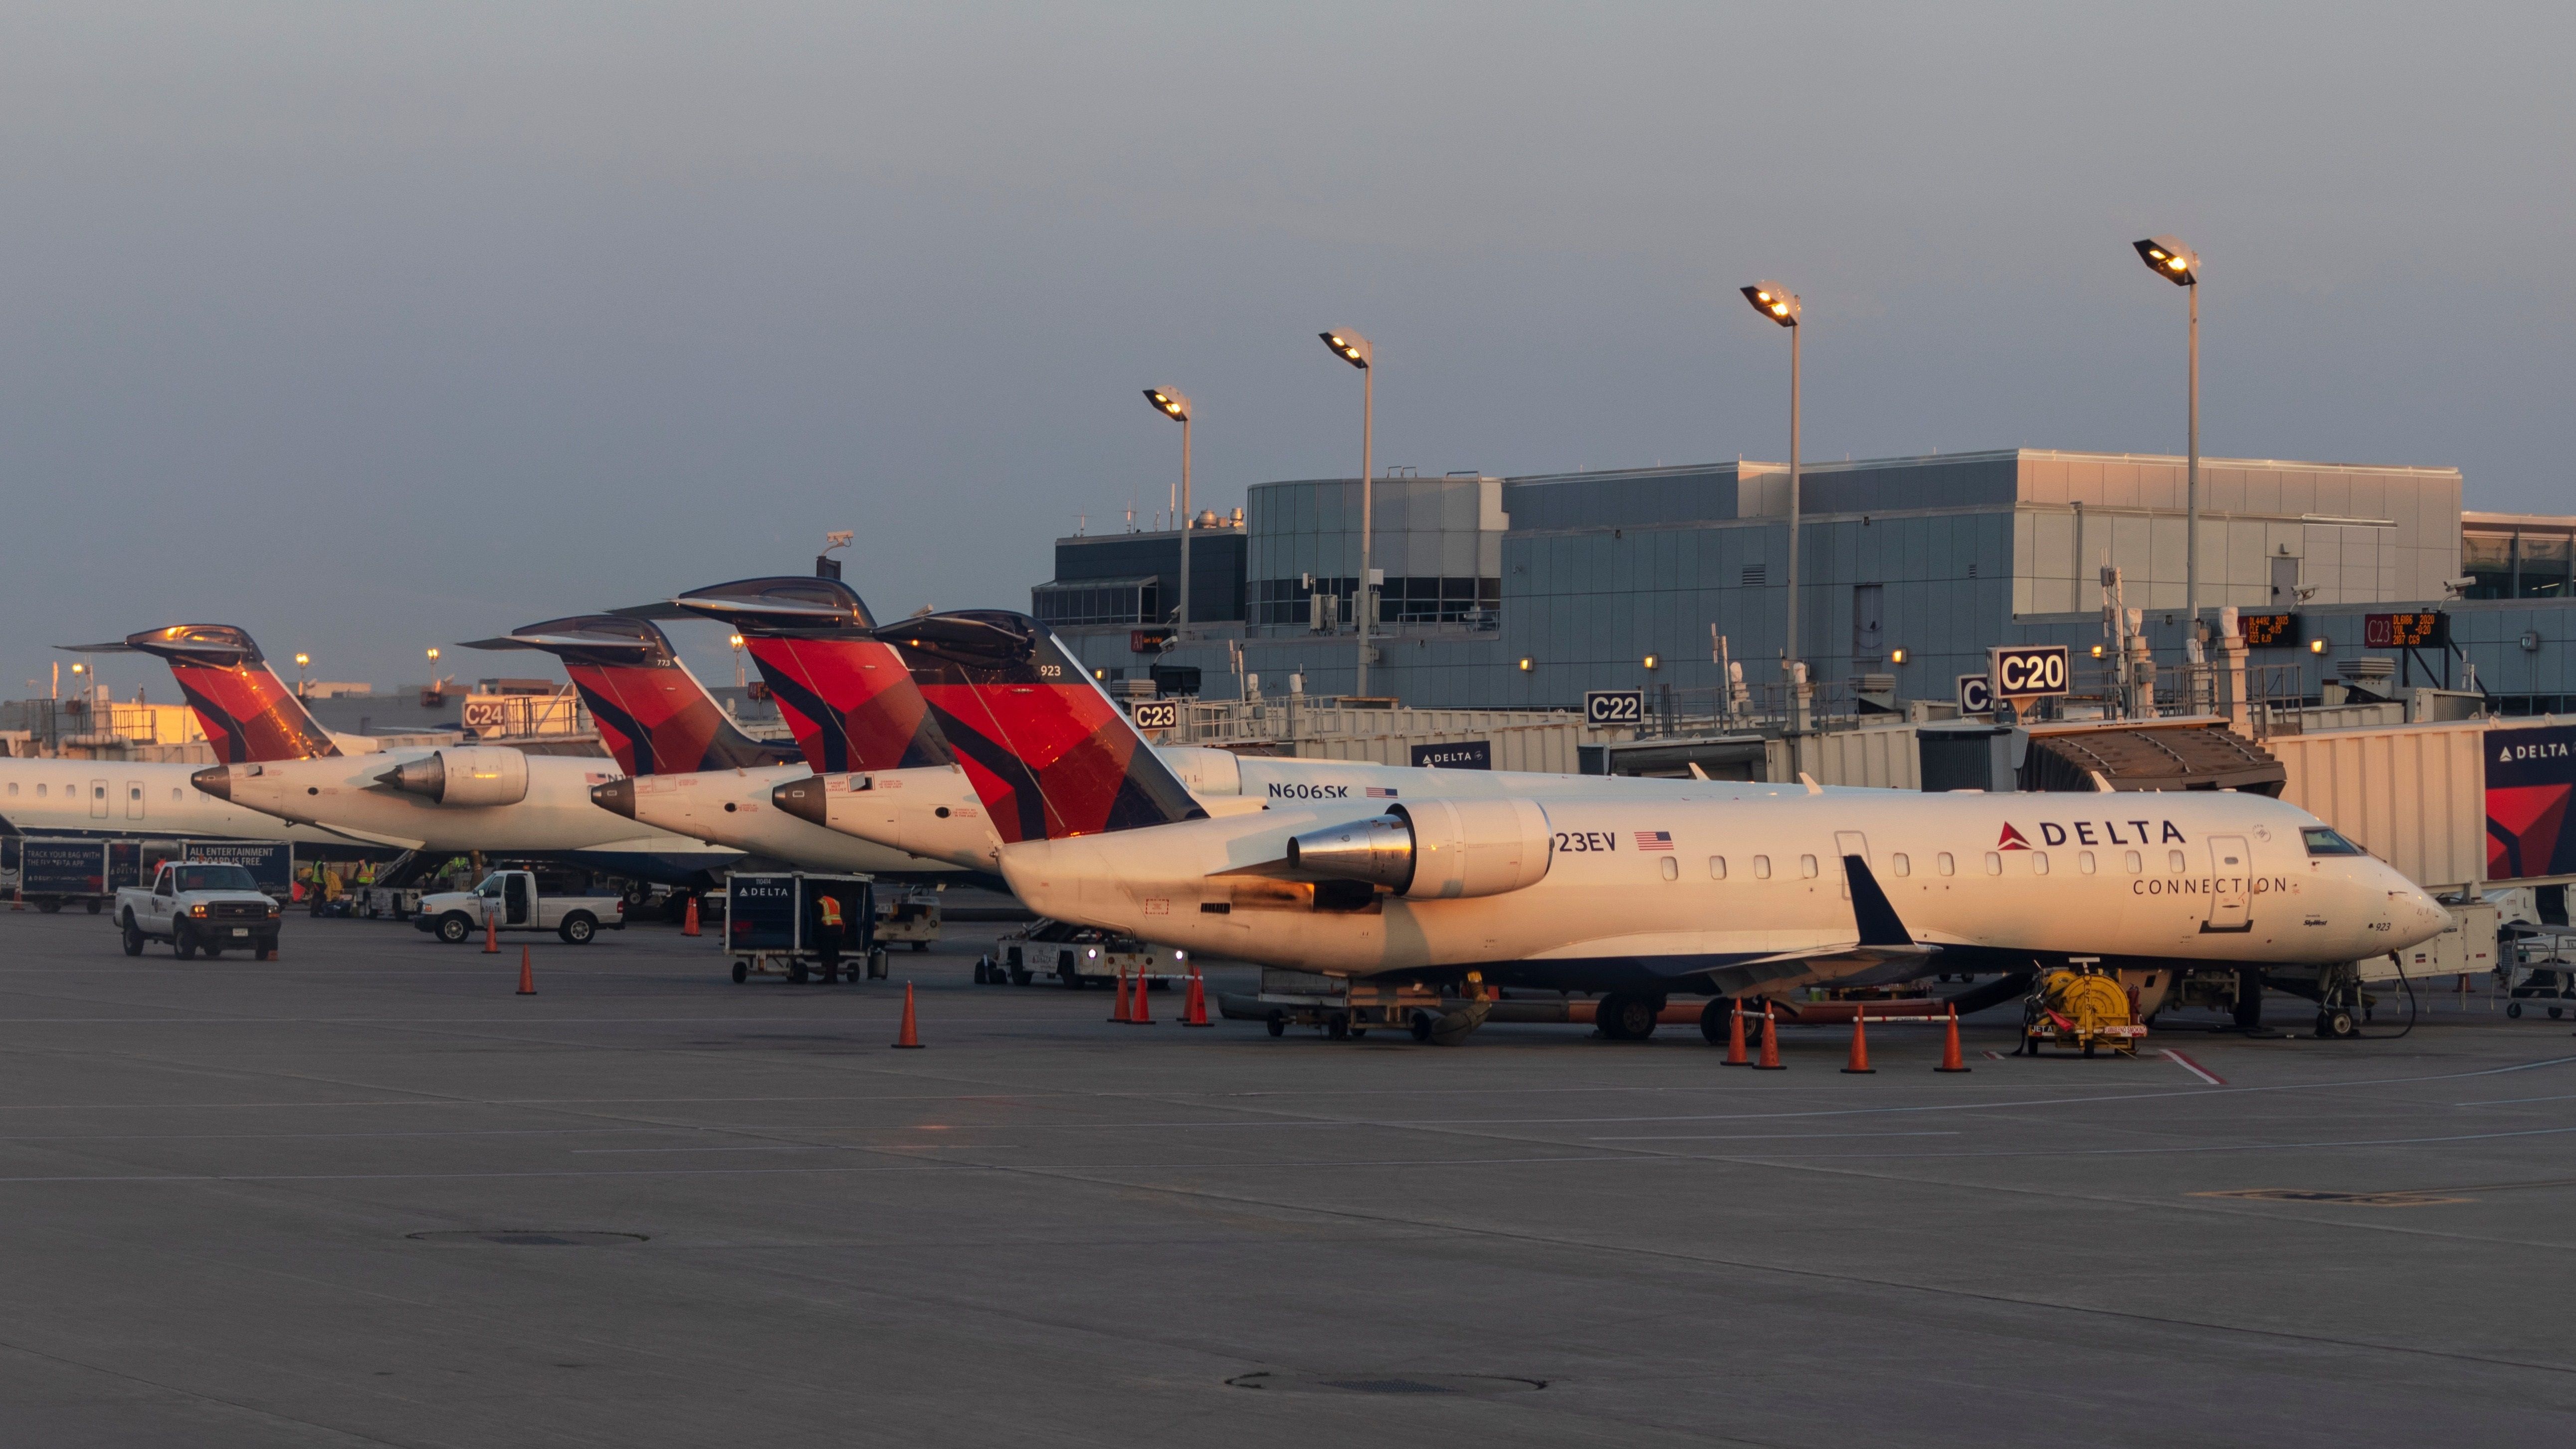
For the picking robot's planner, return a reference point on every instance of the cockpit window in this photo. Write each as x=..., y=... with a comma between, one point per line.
x=2322, y=841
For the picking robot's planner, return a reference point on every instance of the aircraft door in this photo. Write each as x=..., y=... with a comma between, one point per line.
x=514, y=896
x=1848, y=843
x=133, y=799
x=98, y=799
x=2231, y=899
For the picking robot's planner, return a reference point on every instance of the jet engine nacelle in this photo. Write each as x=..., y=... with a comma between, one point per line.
x=473, y=775
x=1434, y=849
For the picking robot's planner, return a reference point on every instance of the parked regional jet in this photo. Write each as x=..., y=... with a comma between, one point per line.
x=1690, y=891
x=278, y=760
x=689, y=769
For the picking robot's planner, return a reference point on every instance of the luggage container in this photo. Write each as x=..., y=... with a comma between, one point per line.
x=773, y=926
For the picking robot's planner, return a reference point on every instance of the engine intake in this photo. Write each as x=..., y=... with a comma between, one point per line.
x=1433, y=849
x=474, y=775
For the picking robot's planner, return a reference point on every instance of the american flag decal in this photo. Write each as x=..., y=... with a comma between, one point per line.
x=1380, y=792
x=1654, y=840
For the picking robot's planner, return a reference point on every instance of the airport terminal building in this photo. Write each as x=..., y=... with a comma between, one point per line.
x=1526, y=592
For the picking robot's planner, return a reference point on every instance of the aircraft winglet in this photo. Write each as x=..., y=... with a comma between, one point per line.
x=1877, y=919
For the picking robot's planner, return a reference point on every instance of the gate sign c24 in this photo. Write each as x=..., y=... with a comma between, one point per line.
x=2028, y=671
x=1614, y=706
x=1158, y=714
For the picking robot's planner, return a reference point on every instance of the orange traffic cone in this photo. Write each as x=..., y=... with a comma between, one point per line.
x=1119, y=1015
x=491, y=933
x=1141, y=1014
x=1194, y=1011
x=17, y=898
x=1950, y=1061
x=1735, y=1035
x=1770, y=1061
x=527, y=973
x=909, y=1036
x=689, y=923
x=1859, y=1063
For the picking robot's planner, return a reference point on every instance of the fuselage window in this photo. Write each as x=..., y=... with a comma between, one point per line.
x=1903, y=865
x=1717, y=867
x=2084, y=861
x=2133, y=863
x=1994, y=862
x=1807, y=866
x=1672, y=868
x=13, y=787
x=1761, y=867
x=1945, y=864
x=2175, y=862
x=40, y=792
x=174, y=792
x=2039, y=862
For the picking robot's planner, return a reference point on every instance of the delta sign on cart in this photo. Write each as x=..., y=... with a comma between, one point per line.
x=2530, y=774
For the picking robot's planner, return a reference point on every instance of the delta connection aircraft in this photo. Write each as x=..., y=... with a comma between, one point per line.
x=277, y=760
x=688, y=769
x=886, y=769
x=1690, y=891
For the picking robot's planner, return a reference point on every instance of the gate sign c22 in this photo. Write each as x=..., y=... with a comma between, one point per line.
x=1614, y=706
x=2027, y=671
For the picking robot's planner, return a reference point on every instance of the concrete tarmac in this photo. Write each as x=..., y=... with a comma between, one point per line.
x=366, y=1194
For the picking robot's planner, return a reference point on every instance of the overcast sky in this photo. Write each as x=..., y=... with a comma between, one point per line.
x=374, y=326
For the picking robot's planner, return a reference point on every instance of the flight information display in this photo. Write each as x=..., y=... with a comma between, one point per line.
x=2404, y=631
x=2270, y=631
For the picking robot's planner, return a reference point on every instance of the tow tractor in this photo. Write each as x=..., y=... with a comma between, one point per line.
x=910, y=916
x=1079, y=956
x=2538, y=973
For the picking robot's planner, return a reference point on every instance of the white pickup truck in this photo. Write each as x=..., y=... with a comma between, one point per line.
x=510, y=900
x=199, y=906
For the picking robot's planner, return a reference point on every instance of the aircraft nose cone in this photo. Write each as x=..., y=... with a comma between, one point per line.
x=215, y=780
x=802, y=799
x=617, y=797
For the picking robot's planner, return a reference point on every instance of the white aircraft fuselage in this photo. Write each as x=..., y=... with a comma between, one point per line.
x=733, y=808
x=1687, y=892
x=120, y=798
x=344, y=793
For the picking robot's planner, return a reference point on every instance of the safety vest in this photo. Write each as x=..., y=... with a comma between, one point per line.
x=831, y=912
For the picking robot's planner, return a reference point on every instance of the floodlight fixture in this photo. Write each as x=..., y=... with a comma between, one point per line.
x=2168, y=258
x=1350, y=347
x=1775, y=302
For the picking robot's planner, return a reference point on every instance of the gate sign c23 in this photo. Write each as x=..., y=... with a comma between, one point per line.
x=2027, y=671
x=1614, y=706
x=1158, y=714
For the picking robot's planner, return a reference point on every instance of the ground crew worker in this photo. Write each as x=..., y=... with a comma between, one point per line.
x=829, y=937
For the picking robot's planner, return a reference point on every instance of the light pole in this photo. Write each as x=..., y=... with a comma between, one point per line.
x=1781, y=305
x=301, y=660
x=1171, y=402
x=735, y=643
x=2168, y=258
x=1354, y=349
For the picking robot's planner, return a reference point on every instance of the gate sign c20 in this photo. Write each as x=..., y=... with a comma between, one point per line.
x=2027, y=671
x=1158, y=714
x=1614, y=706
x=1976, y=694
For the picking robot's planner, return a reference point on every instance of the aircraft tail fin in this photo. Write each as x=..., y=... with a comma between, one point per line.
x=849, y=697
x=248, y=713
x=1049, y=753
x=652, y=713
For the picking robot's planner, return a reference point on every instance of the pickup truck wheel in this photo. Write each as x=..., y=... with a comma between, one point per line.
x=183, y=942
x=578, y=928
x=453, y=928
x=133, y=937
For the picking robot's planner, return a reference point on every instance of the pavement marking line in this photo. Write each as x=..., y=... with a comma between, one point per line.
x=2193, y=1067
x=1767, y=1137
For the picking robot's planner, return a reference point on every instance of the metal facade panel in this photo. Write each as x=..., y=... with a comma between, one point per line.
x=1887, y=758
x=2413, y=795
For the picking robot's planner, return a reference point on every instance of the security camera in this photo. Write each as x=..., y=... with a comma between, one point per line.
x=2456, y=587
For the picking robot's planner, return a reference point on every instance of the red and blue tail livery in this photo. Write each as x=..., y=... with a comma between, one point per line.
x=652, y=713
x=247, y=712
x=847, y=696
x=1048, y=752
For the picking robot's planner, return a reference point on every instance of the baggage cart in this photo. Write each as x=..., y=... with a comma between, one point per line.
x=773, y=926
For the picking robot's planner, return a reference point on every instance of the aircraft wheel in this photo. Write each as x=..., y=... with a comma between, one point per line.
x=1623, y=1017
x=1712, y=1020
x=2553, y=1013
